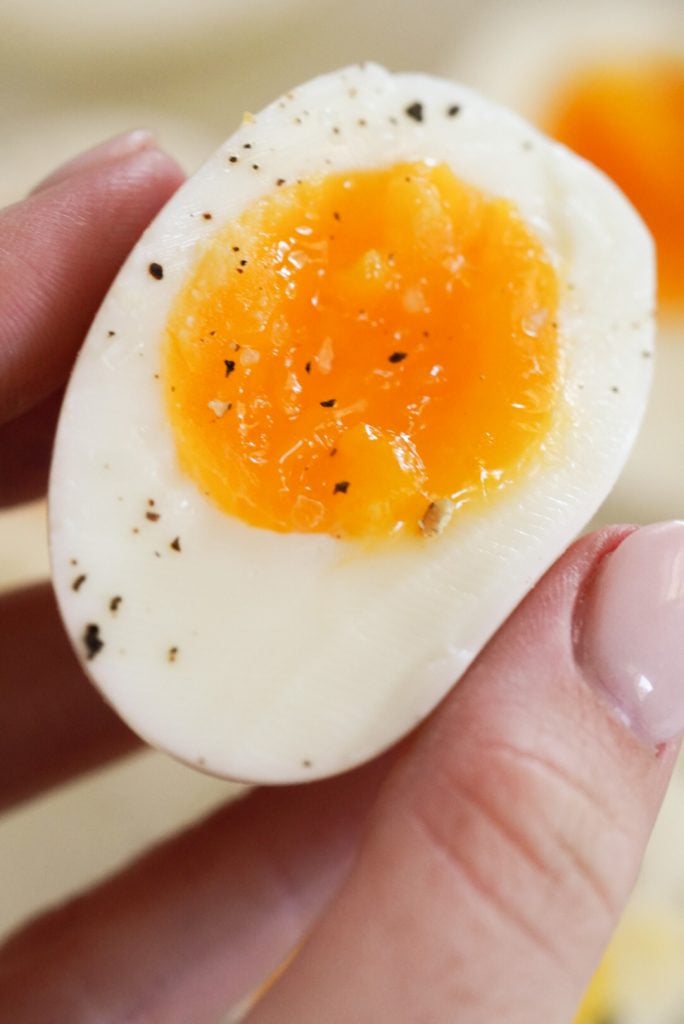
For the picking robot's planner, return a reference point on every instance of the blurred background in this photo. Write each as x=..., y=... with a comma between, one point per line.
x=606, y=76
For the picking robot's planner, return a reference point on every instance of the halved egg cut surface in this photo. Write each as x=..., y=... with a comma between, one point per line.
x=627, y=117
x=271, y=622
x=359, y=348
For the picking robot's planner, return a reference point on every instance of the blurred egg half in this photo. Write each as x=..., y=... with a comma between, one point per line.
x=607, y=79
x=354, y=390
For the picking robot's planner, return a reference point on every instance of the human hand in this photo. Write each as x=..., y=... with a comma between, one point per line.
x=472, y=874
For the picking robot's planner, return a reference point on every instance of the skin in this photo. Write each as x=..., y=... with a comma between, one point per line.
x=474, y=873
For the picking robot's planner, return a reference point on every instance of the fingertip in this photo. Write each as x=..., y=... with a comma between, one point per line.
x=120, y=147
x=60, y=250
x=629, y=631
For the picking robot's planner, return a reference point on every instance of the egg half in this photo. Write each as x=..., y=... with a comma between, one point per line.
x=353, y=391
x=607, y=79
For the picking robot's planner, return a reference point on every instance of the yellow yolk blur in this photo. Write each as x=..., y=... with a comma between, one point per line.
x=629, y=121
x=356, y=349
x=596, y=1006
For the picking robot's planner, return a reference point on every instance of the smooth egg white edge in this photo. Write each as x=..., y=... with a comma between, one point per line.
x=299, y=656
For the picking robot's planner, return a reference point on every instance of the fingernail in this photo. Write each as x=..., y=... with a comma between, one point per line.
x=630, y=640
x=105, y=152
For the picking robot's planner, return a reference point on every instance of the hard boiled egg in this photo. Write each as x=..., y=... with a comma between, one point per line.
x=607, y=79
x=352, y=393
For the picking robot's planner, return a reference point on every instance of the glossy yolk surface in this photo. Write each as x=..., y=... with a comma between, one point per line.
x=629, y=121
x=355, y=348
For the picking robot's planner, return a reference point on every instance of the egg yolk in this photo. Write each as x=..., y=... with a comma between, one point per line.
x=629, y=121
x=596, y=1006
x=363, y=354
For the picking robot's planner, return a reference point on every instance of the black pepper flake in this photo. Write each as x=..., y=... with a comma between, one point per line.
x=233, y=159
x=336, y=214
x=453, y=110
x=307, y=367
x=397, y=357
x=175, y=544
x=229, y=365
x=306, y=763
x=243, y=263
x=341, y=487
x=152, y=516
x=336, y=130
x=156, y=270
x=92, y=640
x=73, y=561
x=415, y=110
x=207, y=216
x=240, y=270
x=235, y=248
x=333, y=451
x=615, y=389
x=255, y=167
x=328, y=403
x=246, y=145
x=173, y=653
x=110, y=334
x=79, y=581
x=362, y=122
x=115, y=602
x=280, y=181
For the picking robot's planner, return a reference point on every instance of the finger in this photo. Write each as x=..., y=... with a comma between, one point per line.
x=188, y=930
x=53, y=724
x=504, y=847
x=59, y=250
x=25, y=450
x=116, y=148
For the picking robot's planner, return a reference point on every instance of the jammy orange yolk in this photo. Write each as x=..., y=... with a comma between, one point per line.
x=356, y=349
x=629, y=121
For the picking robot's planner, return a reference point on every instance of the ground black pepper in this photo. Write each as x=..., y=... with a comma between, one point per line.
x=92, y=640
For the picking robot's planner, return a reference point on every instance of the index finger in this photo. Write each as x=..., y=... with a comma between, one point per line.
x=59, y=250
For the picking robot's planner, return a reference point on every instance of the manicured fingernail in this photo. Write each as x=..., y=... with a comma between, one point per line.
x=105, y=152
x=630, y=639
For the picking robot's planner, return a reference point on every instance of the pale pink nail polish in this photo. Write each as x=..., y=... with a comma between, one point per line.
x=631, y=631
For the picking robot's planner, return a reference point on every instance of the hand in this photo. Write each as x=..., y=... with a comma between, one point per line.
x=472, y=874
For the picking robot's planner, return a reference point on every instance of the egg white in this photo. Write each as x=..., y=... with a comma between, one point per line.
x=299, y=655
x=521, y=55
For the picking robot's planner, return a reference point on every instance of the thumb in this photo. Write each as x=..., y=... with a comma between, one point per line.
x=506, y=842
